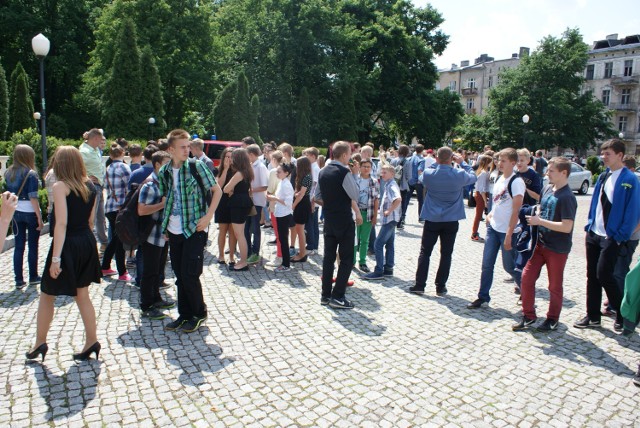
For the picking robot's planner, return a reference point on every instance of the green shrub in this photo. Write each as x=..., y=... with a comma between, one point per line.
x=297, y=151
x=594, y=178
x=43, y=200
x=594, y=165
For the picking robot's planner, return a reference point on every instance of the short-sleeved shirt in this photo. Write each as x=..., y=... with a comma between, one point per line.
x=363, y=192
x=260, y=179
x=93, y=162
x=557, y=206
x=116, y=179
x=391, y=193
x=307, y=182
x=503, y=202
x=533, y=182
x=150, y=195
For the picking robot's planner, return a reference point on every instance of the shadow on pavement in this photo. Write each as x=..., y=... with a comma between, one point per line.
x=458, y=306
x=353, y=319
x=69, y=394
x=16, y=298
x=120, y=290
x=187, y=351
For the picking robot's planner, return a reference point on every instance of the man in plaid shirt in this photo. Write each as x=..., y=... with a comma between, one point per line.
x=186, y=219
x=154, y=249
x=368, y=200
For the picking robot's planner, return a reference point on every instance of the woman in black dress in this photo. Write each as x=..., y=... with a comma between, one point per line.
x=223, y=215
x=240, y=202
x=72, y=263
x=302, y=205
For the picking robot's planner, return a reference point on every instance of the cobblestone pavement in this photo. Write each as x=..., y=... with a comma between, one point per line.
x=270, y=355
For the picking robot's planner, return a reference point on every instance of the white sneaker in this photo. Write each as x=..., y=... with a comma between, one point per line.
x=276, y=262
x=311, y=252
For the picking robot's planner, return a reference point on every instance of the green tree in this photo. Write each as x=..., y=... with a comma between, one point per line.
x=223, y=112
x=22, y=113
x=4, y=104
x=17, y=74
x=303, y=128
x=122, y=107
x=151, y=89
x=255, y=115
x=475, y=132
x=546, y=86
x=242, y=109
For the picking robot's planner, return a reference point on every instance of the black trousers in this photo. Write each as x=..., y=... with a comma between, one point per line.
x=602, y=256
x=283, y=224
x=431, y=231
x=114, y=247
x=187, y=258
x=154, y=259
x=337, y=240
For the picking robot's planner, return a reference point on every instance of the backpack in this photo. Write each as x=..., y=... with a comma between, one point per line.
x=513, y=177
x=399, y=171
x=206, y=193
x=133, y=229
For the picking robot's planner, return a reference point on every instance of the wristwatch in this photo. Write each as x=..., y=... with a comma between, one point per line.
x=56, y=259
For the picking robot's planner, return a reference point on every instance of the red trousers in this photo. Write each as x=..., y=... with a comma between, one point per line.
x=555, y=268
x=479, y=212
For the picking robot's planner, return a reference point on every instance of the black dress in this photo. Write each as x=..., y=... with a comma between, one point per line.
x=240, y=202
x=80, y=265
x=222, y=214
x=302, y=211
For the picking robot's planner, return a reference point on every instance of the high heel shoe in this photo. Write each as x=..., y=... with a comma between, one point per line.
x=40, y=350
x=300, y=260
x=83, y=356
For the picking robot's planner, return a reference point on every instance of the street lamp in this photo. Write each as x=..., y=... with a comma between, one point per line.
x=40, y=45
x=525, y=120
x=152, y=121
x=37, y=116
x=621, y=135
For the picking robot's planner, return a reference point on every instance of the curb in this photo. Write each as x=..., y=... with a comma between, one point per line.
x=9, y=242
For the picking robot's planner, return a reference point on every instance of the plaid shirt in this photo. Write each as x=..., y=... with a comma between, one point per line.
x=191, y=198
x=373, y=194
x=391, y=193
x=116, y=179
x=150, y=195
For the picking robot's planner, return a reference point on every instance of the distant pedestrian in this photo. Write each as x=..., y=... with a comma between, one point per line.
x=402, y=163
x=91, y=151
x=240, y=202
x=417, y=167
x=283, y=213
x=252, y=231
x=302, y=205
x=197, y=150
x=483, y=171
x=368, y=203
x=532, y=181
x=223, y=214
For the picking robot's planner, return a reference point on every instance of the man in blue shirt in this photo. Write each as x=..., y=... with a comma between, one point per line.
x=442, y=209
x=141, y=174
x=417, y=166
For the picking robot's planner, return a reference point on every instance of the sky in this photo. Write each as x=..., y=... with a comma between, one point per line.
x=500, y=27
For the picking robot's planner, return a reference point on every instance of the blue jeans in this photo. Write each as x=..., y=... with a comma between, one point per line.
x=384, y=247
x=25, y=227
x=252, y=227
x=493, y=243
x=419, y=189
x=312, y=230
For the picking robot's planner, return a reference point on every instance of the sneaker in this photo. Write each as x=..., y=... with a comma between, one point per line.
x=340, y=303
x=20, y=285
x=164, y=304
x=388, y=272
x=192, y=325
x=516, y=290
x=253, y=259
x=586, y=322
x=165, y=284
x=281, y=269
x=400, y=226
x=324, y=301
x=125, y=277
x=416, y=290
x=636, y=378
x=174, y=325
x=523, y=323
x=312, y=252
x=364, y=268
x=373, y=276
x=275, y=263
x=477, y=238
x=136, y=284
x=35, y=281
x=154, y=314
x=508, y=280
x=609, y=313
x=441, y=291
x=109, y=272
x=548, y=325
x=617, y=326
x=476, y=304
x=292, y=252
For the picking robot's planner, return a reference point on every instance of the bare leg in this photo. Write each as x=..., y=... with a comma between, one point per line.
x=44, y=318
x=88, y=315
x=232, y=244
x=292, y=235
x=238, y=230
x=222, y=237
x=301, y=242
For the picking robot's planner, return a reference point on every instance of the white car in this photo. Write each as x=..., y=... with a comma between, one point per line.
x=579, y=179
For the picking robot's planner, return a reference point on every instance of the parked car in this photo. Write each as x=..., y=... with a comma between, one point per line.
x=579, y=179
x=213, y=149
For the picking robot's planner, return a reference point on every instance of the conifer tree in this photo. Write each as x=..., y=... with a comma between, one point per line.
x=223, y=112
x=255, y=114
x=4, y=104
x=22, y=114
x=303, y=126
x=18, y=74
x=242, y=108
x=151, y=89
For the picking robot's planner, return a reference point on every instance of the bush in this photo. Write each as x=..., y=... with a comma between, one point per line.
x=43, y=200
x=594, y=165
x=297, y=151
x=594, y=178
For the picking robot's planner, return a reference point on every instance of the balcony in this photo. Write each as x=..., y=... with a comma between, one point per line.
x=630, y=107
x=469, y=91
x=634, y=79
x=470, y=111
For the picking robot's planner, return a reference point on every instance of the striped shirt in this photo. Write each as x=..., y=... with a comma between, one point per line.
x=116, y=179
x=391, y=193
x=150, y=195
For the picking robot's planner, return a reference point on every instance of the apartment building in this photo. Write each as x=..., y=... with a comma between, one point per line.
x=613, y=76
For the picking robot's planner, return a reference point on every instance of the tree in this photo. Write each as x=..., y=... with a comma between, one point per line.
x=122, y=107
x=223, y=112
x=242, y=109
x=255, y=115
x=347, y=115
x=303, y=128
x=4, y=104
x=475, y=132
x=17, y=74
x=151, y=89
x=22, y=107
x=546, y=86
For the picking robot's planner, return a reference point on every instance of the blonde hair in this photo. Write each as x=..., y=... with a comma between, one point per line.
x=484, y=164
x=23, y=157
x=69, y=168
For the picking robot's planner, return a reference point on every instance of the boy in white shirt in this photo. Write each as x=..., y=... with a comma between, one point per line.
x=259, y=196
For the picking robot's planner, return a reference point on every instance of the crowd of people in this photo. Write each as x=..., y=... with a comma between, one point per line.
x=176, y=190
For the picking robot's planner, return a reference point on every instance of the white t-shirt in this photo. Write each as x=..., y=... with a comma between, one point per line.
x=315, y=172
x=260, y=179
x=175, y=219
x=428, y=161
x=609, y=186
x=284, y=193
x=503, y=203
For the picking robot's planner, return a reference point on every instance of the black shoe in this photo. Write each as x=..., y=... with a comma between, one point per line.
x=400, y=226
x=154, y=314
x=193, y=324
x=20, y=285
x=387, y=272
x=548, y=325
x=340, y=303
x=586, y=322
x=364, y=268
x=441, y=291
x=242, y=269
x=636, y=378
x=35, y=281
x=274, y=242
x=83, y=356
x=476, y=304
x=324, y=301
x=416, y=290
x=523, y=323
x=516, y=290
x=300, y=260
x=40, y=350
x=174, y=325
x=617, y=326
x=164, y=304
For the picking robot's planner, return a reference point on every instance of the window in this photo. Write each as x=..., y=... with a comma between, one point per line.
x=608, y=70
x=622, y=123
x=452, y=86
x=590, y=69
x=490, y=81
x=628, y=67
x=575, y=168
x=625, y=98
x=470, y=103
x=471, y=83
x=606, y=94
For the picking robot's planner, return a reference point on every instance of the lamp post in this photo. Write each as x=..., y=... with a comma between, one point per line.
x=40, y=45
x=152, y=121
x=621, y=135
x=525, y=120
